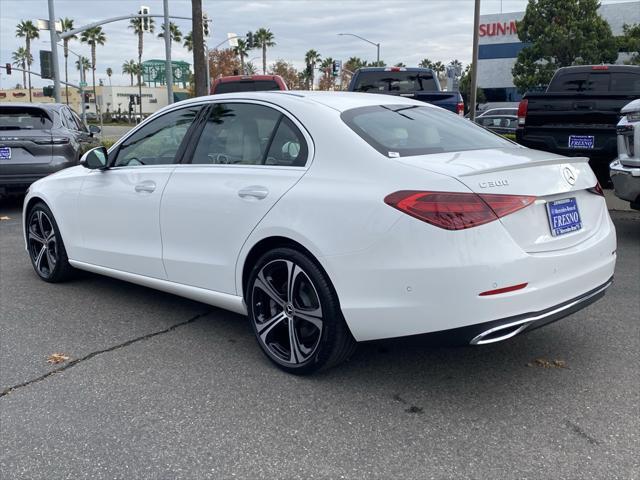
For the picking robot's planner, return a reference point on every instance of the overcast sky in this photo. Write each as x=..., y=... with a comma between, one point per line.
x=408, y=30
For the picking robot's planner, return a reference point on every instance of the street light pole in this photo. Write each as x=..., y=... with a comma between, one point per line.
x=54, y=52
x=377, y=45
x=474, y=62
x=168, y=72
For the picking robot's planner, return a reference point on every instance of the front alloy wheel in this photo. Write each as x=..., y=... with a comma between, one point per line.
x=295, y=314
x=46, y=250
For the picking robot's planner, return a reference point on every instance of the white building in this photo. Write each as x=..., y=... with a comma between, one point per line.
x=499, y=47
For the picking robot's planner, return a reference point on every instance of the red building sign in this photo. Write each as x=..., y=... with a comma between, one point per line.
x=498, y=28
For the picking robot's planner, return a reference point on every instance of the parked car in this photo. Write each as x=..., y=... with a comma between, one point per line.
x=625, y=170
x=578, y=113
x=248, y=83
x=39, y=139
x=417, y=83
x=330, y=218
x=499, y=111
x=499, y=123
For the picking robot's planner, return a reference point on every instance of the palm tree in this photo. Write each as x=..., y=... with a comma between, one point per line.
x=242, y=50
x=20, y=59
x=249, y=69
x=176, y=34
x=29, y=31
x=426, y=63
x=264, y=38
x=311, y=58
x=94, y=37
x=135, y=24
x=130, y=68
x=83, y=64
x=67, y=24
x=109, y=73
x=188, y=42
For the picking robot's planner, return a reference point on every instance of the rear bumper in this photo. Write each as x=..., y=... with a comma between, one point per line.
x=626, y=182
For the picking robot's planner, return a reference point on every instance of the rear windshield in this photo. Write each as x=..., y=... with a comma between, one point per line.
x=24, y=118
x=598, y=81
x=246, y=86
x=405, y=130
x=376, y=82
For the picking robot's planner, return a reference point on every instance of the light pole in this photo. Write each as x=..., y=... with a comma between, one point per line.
x=377, y=45
x=168, y=72
x=474, y=62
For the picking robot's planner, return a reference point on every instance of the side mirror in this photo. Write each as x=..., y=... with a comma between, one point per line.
x=95, y=159
x=93, y=129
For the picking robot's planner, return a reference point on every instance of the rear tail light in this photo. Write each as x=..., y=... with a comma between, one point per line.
x=460, y=108
x=522, y=111
x=600, y=67
x=596, y=190
x=456, y=211
x=51, y=141
x=498, y=291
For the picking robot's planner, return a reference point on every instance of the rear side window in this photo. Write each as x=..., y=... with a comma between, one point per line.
x=24, y=118
x=401, y=82
x=247, y=86
x=599, y=81
x=405, y=130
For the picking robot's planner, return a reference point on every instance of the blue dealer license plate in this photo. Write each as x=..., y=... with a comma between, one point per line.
x=581, y=141
x=564, y=216
x=5, y=153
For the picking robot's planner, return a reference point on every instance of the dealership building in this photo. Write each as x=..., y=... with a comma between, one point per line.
x=499, y=47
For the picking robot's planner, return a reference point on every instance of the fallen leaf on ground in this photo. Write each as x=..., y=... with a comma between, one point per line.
x=56, y=358
x=544, y=363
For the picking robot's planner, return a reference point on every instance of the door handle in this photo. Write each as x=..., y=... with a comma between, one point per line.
x=254, y=191
x=147, y=187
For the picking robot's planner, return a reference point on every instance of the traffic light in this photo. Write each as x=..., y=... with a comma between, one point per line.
x=205, y=24
x=146, y=21
x=48, y=91
x=7, y=67
x=250, y=41
x=336, y=67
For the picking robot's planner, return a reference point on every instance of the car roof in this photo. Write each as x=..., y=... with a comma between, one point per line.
x=45, y=106
x=238, y=78
x=339, y=101
x=395, y=69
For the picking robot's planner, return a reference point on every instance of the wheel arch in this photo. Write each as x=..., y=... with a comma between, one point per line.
x=269, y=243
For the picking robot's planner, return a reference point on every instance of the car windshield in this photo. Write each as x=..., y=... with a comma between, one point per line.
x=405, y=130
x=246, y=86
x=24, y=118
x=401, y=82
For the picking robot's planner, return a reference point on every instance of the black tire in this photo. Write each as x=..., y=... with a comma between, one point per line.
x=46, y=248
x=320, y=341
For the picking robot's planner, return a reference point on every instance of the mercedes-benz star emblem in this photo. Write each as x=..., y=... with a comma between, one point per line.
x=569, y=175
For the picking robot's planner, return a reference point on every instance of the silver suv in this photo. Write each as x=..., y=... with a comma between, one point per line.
x=625, y=170
x=39, y=139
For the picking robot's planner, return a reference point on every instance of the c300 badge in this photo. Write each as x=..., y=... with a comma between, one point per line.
x=494, y=183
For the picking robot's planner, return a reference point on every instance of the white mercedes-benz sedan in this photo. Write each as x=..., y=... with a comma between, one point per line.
x=330, y=219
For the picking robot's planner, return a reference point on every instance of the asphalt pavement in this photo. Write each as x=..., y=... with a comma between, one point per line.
x=159, y=387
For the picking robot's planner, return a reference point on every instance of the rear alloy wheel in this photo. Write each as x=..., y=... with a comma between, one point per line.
x=295, y=313
x=46, y=250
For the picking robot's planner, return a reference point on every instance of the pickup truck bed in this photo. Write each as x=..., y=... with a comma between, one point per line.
x=581, y=120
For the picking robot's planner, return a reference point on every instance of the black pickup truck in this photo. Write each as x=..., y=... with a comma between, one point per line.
x=578, y=113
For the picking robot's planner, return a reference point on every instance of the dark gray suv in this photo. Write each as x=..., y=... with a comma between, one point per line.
x=39, y=139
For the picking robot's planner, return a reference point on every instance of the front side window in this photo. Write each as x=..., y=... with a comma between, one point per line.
x=405, y=130
x=248, y=134
x=157, y=143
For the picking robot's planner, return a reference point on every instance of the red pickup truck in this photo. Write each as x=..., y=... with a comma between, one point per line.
x=248, y=83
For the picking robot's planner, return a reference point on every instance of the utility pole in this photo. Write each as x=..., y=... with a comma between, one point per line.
x=199, y=66
x=474, y=62
x=54, y=52
x=168, y=72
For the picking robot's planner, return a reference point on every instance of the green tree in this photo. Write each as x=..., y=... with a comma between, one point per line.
x=630, y=42
x=400, y=64
x=264, y=38
x=83, y=64
x=109, y=73
x=29, y=31
x=130, y=67
x=465, y=90
x=559, y=33
x=349, y=68
x=20, y=59
x=288, y=72
x=242, y=51
x=379, y=63
x=327, y=80
x=176, y=34
x=426, y=63
x=67, y=24
x=311, y=59
x=188, y=42
x=94, y=37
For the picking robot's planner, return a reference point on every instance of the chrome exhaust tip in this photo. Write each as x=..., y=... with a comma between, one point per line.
x=501, y=332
